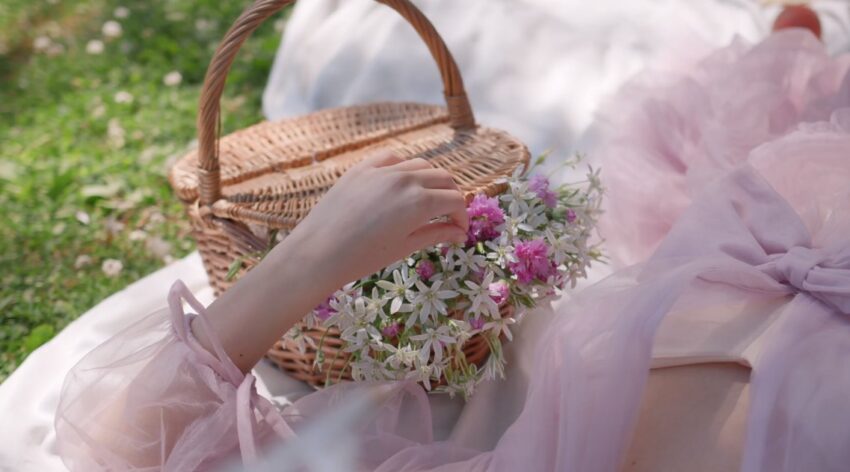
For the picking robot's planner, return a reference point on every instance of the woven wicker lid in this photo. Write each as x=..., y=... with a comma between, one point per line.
x=273, y=173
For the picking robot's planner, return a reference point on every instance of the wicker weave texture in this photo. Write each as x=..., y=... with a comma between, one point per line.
x=243, y=189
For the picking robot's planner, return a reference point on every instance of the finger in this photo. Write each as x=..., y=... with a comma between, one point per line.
x=433, y=234
x=381, y=158
x=411, y=165
x=436, y=179
x=449, y=203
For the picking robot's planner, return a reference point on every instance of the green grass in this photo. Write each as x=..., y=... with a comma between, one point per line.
x=80, y=172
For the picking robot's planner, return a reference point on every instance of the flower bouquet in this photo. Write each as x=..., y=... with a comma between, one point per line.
x=413, y=318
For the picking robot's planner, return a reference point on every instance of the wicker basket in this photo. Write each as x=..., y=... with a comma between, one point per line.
x=243, y=189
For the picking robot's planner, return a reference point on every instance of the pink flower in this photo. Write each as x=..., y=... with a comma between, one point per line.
x=484, y=217
x=532, y=261
x=392, y=330
x=425, y=270
x=540, y=186
x=477, y=323
x=324, y=310
x=499, y=292
x=571, y=216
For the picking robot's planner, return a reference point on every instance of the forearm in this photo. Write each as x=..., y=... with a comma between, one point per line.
x=380, y=211
x=295, y=277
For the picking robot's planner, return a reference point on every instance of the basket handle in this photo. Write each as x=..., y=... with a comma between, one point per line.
x=209, y=112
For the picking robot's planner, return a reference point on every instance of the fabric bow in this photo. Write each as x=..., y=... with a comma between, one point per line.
x=822, y=273
x=745, y=231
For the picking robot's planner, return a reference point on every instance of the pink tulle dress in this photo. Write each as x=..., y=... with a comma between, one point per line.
x=736, y=177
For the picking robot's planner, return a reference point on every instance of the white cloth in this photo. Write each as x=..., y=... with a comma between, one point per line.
x=28, y=398
x=537, y=68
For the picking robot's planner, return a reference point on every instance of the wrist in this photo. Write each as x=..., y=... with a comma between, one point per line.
x=304, y=257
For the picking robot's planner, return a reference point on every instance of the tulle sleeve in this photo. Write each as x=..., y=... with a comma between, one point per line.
x=151, y=398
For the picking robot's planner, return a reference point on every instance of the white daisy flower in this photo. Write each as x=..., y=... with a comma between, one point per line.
x=501, y=326
x=434, y=340
x=468, y=261
x=429, y=300
x=399, y=289
x=479, y=295
x=402, y=356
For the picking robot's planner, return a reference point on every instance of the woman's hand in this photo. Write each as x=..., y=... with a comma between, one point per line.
x=379, y=212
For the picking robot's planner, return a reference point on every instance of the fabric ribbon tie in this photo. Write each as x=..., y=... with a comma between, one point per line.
x=822, y=273
x=247, y=400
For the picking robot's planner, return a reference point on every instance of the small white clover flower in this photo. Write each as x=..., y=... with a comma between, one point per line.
x=83, y=260
x=172, y=79
x=94, y=47
x=82, y=217
x=111, y=29
x=157, y=247
x=137, y=235
x=123, y=97
x=121, y=12
x=112, y=267
x=41, y=43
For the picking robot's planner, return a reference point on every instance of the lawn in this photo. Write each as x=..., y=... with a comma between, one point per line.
x=97, y=97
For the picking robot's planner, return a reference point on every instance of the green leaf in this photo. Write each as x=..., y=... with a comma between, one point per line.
x=60, y=183
x=38, y=336
x=234, y=268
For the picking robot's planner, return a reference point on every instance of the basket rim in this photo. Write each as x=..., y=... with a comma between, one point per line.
x=182, y=174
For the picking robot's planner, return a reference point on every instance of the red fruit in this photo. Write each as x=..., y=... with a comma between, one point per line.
x=798, y=16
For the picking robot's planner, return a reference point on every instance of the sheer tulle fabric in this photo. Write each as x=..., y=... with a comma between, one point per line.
x=664, y=135
x=774, y=229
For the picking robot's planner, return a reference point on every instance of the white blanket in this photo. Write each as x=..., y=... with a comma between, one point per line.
x=538, y=68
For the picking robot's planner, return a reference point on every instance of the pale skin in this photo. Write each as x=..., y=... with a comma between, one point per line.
x=380, y=211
